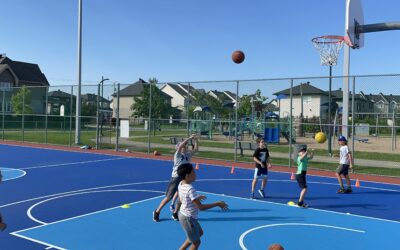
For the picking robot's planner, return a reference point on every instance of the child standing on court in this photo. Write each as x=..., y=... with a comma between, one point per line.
x=346, y=163
x=191, y=204
x=181, y=156
x=261, y=158
x=302, y=163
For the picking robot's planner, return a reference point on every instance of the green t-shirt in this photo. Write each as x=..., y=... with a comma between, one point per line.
x=302, y=164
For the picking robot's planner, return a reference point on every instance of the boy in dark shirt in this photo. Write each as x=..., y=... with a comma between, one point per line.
x=261, y=158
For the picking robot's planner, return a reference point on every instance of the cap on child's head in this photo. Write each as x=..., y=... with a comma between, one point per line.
x=303, y=148
x=342, y=138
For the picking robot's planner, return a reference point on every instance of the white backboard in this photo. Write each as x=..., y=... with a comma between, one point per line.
x=354, y=16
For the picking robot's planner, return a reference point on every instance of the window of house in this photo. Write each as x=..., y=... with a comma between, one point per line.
x=306, y=99
x=5, y=86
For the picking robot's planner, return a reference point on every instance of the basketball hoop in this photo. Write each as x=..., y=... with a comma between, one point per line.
x=328, y=47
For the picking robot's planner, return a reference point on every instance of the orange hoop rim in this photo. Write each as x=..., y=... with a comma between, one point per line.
x=332, y=39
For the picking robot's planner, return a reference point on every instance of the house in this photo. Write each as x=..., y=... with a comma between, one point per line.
x=313, y=99
x=58, y=100
x=126, y=99
x=179, y=93
x=91, y=99
x=15, y=74
x=223, y=96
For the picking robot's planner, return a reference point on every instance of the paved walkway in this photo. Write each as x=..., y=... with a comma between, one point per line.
x=359, y=162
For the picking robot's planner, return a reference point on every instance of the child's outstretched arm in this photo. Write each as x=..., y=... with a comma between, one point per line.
x=201, y=206
x=350, y=157
x=311, y=155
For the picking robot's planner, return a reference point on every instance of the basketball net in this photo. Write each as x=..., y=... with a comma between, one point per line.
x=328, y=47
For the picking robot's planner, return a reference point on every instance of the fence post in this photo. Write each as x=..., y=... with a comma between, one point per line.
x=97, y=116
x=23, y=113
x=187, y=112
x=70, y=116
x=149, y=121
x=45, y=119
x=117, y=122
x=3, y=109
x=352, y=119
x=290, y=123
x=236, y=119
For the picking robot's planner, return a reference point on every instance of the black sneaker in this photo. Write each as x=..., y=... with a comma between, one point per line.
x=156, y=216
x=3, y=226
x=175, y=216
x=302, y=204
x=349, y=191
x=341, y=191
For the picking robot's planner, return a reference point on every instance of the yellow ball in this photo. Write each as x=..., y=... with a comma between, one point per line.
x=320, y=137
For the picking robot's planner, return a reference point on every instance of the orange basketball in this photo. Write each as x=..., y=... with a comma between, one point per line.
x=238, y=56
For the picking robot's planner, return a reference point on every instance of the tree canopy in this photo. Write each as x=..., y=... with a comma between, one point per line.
x=21, y=101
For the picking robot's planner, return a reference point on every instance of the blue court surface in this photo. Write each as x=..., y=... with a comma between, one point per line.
x=54, y=199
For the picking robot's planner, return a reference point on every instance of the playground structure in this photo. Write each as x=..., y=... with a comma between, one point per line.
x=203, y=121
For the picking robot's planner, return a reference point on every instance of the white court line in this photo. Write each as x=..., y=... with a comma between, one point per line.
x=241, y=238
x=213, y=165
x=275, y=203
x=16, y=233
x=29, y=212
x=74, y=163
x=11, y=170
x=38, y=241
x=316, y=209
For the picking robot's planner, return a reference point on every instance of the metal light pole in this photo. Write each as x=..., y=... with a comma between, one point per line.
x=78, y=95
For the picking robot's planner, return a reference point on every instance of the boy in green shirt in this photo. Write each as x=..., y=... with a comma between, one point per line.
x=302, y=164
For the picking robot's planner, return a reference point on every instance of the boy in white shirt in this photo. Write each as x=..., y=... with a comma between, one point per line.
x=346, y=163
x=191, y=204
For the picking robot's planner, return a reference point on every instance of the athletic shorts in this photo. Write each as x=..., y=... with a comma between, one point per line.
x=191, y=227
x=301, y=179
x=343, y=169
x=172, y=187
x=260, y=173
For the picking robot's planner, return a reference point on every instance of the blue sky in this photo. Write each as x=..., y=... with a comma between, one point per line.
x=188, y=40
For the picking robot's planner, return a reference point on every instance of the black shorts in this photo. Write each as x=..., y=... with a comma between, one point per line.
x=343, y=169
x=301, y=179
x=172, y=187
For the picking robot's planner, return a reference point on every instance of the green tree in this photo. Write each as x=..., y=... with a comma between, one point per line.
x=89, y=109
x=160, y=107
x=23, y=96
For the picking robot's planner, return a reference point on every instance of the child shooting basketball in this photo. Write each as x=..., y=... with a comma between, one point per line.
x=191, y=204
x=346, y=163
x=261, y=158
x=302, y=163
x=181, y=156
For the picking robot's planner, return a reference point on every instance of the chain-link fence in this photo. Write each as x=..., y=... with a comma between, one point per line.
x=228, y=116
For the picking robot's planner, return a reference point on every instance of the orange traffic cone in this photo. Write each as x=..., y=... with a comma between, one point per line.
x=197, y=166
x=357, y=183
x=292, y=177
x=233, y=170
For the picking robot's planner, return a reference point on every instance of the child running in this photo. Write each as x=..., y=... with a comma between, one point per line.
x=181, y=156
x=346, y=162
x=261, y=158
x=302, y=164
x=191, y=204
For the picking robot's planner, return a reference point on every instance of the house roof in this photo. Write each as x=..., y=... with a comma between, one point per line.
x=26, y=72
x=93, y=98
x=136, y=89
x=178, y=89
x=306, y=88
x=59, y=93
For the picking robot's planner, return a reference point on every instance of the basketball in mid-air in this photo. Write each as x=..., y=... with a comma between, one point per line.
x=238, y=56
x=320, y=137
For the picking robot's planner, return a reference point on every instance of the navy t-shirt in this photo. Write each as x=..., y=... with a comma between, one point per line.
x=262, y=155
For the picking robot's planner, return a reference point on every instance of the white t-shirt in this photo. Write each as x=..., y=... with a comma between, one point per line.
x=187, y=194
x=344, y=155
x=180, y=159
